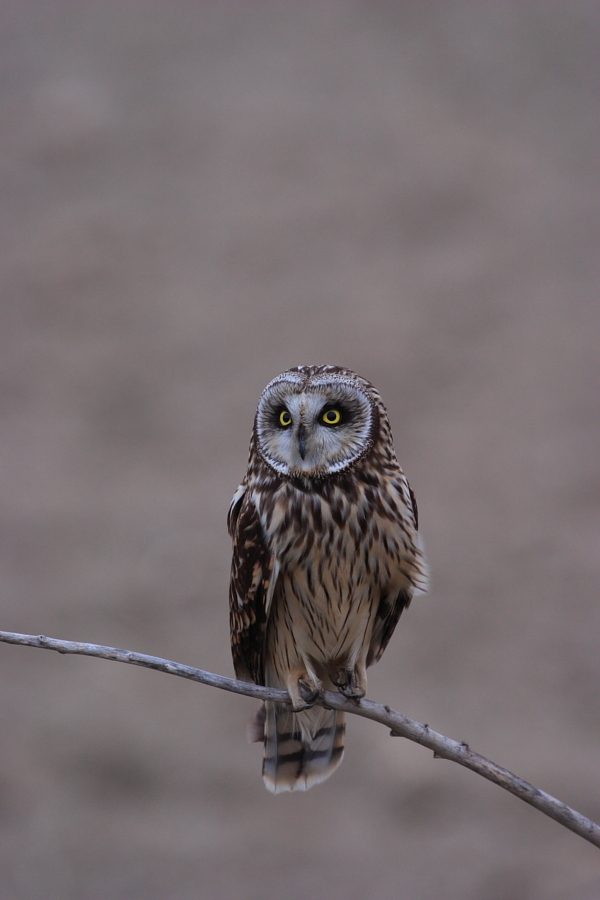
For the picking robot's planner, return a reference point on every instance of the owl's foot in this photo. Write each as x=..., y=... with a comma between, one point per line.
x=308, y=694
x=303, y=692
x=352, y=683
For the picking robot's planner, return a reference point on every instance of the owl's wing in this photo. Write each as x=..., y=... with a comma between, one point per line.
x=388, y=612
x=253, y=576
x=234, y=508
x=413, y=503
x=391, y=607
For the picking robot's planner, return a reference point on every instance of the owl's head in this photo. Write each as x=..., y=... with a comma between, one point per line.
x=314, y=421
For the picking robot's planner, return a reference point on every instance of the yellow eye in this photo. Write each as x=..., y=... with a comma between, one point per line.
x=332, y=417
x=284, y=418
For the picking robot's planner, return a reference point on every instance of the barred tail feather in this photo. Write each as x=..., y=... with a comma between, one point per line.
x=301, y=749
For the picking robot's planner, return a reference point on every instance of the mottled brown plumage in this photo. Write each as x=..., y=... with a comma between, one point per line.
x=326, y=557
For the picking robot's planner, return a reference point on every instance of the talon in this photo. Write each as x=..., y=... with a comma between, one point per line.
x=303, y=692
x=350, y=684
x=340, y=678
x=307, y=694
x=351, y=691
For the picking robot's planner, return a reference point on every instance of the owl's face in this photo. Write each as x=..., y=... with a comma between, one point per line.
x=315, y=421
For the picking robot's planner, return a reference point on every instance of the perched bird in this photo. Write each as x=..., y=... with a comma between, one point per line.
x=326, y=555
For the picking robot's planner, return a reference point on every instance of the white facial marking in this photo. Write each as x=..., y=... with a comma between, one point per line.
x=310, y=446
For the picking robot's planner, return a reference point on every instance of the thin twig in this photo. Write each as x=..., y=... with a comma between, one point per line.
x=400, y=726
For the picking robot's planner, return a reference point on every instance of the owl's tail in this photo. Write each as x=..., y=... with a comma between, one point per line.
x=301, y=749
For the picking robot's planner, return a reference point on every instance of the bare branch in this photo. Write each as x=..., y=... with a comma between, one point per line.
x=400, y=726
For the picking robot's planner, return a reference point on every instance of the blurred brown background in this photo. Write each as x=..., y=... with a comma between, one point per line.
x=196, y=196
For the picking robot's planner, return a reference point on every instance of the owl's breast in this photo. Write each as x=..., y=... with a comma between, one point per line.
x=337, y=557
x=340, y=544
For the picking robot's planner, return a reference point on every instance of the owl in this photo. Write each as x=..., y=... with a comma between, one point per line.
x=326, y=556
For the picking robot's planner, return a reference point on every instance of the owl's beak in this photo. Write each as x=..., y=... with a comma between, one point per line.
x=302, y=440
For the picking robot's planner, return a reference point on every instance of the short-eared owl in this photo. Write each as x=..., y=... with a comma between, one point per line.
x=326, y=555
